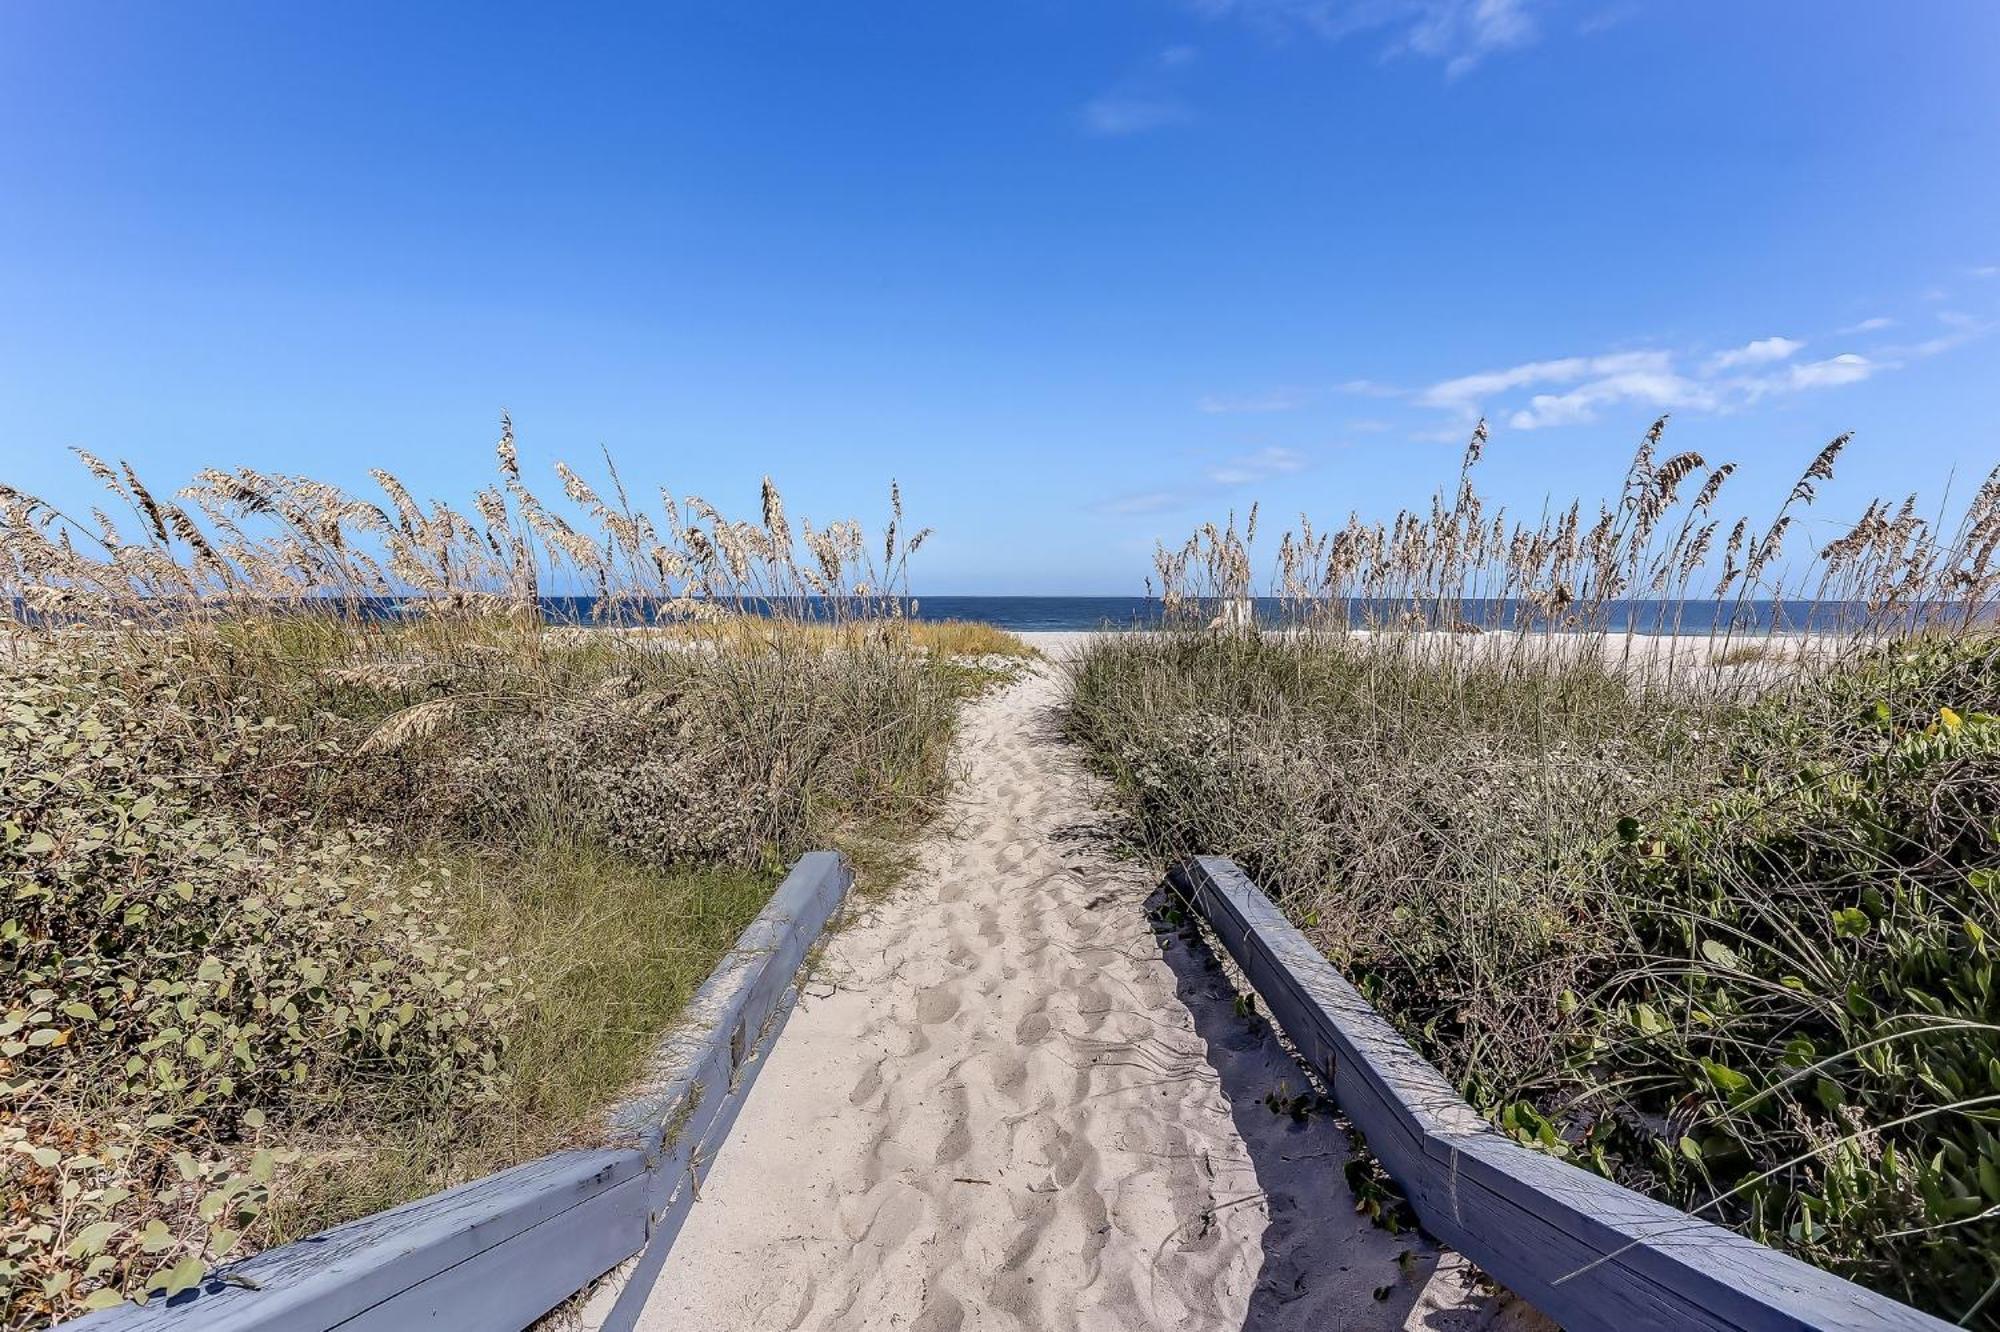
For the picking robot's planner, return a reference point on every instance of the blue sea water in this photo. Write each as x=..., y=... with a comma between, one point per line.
x=1646, y=617
x=1028, y=614
x=1090, y=614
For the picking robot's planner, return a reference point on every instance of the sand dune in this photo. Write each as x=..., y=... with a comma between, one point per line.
x=1003, y=1105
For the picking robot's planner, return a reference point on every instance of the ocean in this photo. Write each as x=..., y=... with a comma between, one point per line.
x=1646, y=617
x=1030, y=614
x=1092, y=614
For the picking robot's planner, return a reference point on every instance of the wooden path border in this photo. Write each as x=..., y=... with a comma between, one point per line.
x=1589, y=1253
x=502, y=1251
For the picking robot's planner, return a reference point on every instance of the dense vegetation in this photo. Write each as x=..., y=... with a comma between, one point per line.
x=311, y=905
x=1710, y=915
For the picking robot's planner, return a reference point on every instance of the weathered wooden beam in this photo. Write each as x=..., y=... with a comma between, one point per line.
x=502, y=1251
x=1587, y=1252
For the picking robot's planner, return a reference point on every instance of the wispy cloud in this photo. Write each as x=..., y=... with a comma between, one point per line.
x=1368, y=388
x=1760, y=352
x=1668, y=391
x=1657, y=388
x=1964, y=329
x=1115, y=115
x=1146, y=99
x=1466, y=392
x=1277, y=400
x=1846, y=368
x=1575, y=390
x=1610, y=16
x=1458, y=33
x=1258, y=466
x=1243, y=470
x=1151, y=501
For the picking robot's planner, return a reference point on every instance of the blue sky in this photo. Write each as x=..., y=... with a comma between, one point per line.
x=1078, y=274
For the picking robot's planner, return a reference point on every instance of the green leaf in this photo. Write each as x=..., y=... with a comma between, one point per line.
x=1989, y=1180
x=1726, y=1079
x=1721, y=954
x=92, y=1238
x=184, y=1274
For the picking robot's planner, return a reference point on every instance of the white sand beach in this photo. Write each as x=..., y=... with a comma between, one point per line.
x=1002, y=1105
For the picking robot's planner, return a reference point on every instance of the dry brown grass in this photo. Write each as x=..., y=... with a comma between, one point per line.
x=945, y=638
x=1706, y=912
x=218, y=696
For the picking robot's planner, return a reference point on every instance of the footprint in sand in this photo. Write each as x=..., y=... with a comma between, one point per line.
x=932, y=1197
x=936, y=1005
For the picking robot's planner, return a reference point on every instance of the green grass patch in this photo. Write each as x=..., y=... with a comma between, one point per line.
x=609, y=951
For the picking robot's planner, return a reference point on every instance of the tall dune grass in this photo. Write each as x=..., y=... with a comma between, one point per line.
x=336, y=875
x=1709, y=913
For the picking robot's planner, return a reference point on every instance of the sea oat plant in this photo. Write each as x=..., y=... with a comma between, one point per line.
x=357, y=846
x=1668, y=887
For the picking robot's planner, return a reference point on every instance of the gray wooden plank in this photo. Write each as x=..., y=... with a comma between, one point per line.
x=694, y=1111
x=501, y=1251
x=341, y=1273
x=1585, y=1250
x=534, y=1270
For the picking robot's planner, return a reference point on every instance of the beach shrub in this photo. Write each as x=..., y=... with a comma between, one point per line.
x=1432, y=825
x=1708, y=912
x=343, y=864
x=1811, y=1002
x=1737, y=954
x=204, y=973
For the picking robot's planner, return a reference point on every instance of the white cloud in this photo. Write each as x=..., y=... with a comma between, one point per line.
x=1463, y=33
x=1459, y=33
x=1115, y=115
x=1658, y=388
x=1760, y=352
x=1874, y=325
x=1985, y=271
x=1266, y=462
x=1465, y=393
x=1369, y=388
x=1576, y=390
x=1846, y=368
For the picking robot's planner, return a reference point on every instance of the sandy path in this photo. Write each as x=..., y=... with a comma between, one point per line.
x=1003, y=1105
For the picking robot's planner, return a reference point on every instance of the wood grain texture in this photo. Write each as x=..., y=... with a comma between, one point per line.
x=1587, y=1252
x=500, y=1252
